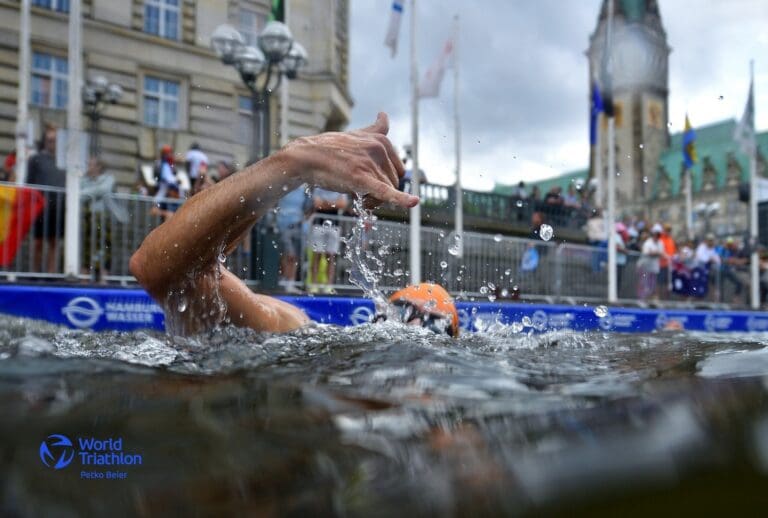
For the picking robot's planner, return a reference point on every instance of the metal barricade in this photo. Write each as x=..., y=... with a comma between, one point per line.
x=32, y=226
x=492, y=266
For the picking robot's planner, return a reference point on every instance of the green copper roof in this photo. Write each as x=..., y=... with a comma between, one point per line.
x=563, y=181
x=715, y=148
x=633, y=9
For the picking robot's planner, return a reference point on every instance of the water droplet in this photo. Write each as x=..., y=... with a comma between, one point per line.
x=507, y=272
x=491, y=297
x=517, y=327
x=491, y=286
x=182, y=304
x=285, y=188
x=641, y=146
x=546, y=232
x=483, y=290
x=398, y=272
x=645, y=179
x=384, y=250
x=327, y=223
x=441, y=234
x=242, y=199
x=505, y=293
x=497, y=238
x=527, y=321
x=222, y=258
x=601, y=311
x=519, y=203
x=443, y=265
x=458, y=278
x=455, y=247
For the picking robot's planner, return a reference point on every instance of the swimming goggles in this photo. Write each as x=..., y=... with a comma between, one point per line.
x=407, y=312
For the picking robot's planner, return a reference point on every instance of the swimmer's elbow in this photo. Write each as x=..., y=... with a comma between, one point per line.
x=139, y=269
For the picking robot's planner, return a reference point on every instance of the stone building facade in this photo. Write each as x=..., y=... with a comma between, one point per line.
x=175, y=89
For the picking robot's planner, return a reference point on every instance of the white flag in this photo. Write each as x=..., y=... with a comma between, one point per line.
x=745, y=129
x=430, y=84
x=394, y=26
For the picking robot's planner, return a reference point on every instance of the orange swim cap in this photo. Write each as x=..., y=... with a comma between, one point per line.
x=431, y=298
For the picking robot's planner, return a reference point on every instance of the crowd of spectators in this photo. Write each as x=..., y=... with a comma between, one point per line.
x=571, y=209
x=672, y=267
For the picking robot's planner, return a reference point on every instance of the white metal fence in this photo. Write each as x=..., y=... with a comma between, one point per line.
x=492, y=266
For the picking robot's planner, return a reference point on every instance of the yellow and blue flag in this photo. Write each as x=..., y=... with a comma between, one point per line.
x=689, y=144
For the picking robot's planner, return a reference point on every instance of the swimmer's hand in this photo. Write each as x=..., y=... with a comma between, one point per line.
x=362, y=161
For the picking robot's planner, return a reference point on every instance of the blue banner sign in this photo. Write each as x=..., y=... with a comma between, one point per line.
x=132, y=309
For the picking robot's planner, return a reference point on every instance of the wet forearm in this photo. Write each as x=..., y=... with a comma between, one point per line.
x=209, y=223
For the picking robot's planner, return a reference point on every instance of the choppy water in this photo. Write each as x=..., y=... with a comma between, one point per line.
x=378, y=420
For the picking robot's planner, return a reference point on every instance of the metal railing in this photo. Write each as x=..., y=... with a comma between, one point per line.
x=492, y=266
x=441, y=200
x=501, y=267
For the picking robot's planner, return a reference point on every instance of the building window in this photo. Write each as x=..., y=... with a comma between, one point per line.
x=250, y=24
x=161, y=102
x=54, y=5
x=49, y=80
x=244, y=120
x=162, y=18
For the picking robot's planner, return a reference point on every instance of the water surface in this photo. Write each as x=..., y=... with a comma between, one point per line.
x=377, y=420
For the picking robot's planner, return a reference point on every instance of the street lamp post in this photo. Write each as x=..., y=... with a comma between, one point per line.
x=261, y=69
x=707, y=211
x=96, y=94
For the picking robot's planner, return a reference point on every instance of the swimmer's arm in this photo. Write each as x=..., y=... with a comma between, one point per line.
x=260, y=312
x=210, y=223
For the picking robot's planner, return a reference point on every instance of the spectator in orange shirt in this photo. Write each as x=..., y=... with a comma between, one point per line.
x=670, y=249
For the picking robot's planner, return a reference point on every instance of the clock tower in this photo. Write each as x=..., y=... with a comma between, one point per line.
x=640, y=78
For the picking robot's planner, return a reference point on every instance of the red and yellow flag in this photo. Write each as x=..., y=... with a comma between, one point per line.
x=19, y=208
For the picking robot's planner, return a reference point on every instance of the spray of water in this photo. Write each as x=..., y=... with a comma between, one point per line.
x=366, y=266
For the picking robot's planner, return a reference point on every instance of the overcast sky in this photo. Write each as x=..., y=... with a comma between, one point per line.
x=524, y=89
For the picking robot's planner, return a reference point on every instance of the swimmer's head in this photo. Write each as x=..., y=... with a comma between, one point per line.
x=428, y=305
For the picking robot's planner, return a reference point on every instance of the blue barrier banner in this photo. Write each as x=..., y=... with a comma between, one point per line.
x=131, y=309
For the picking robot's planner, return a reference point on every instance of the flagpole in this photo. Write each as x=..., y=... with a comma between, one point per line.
x=415, y=215
x=459, y=219
x=688, y=174
x=611, y=187
x=22, y=102
x=600, y=192
x=74, y=136
x=753, y=220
